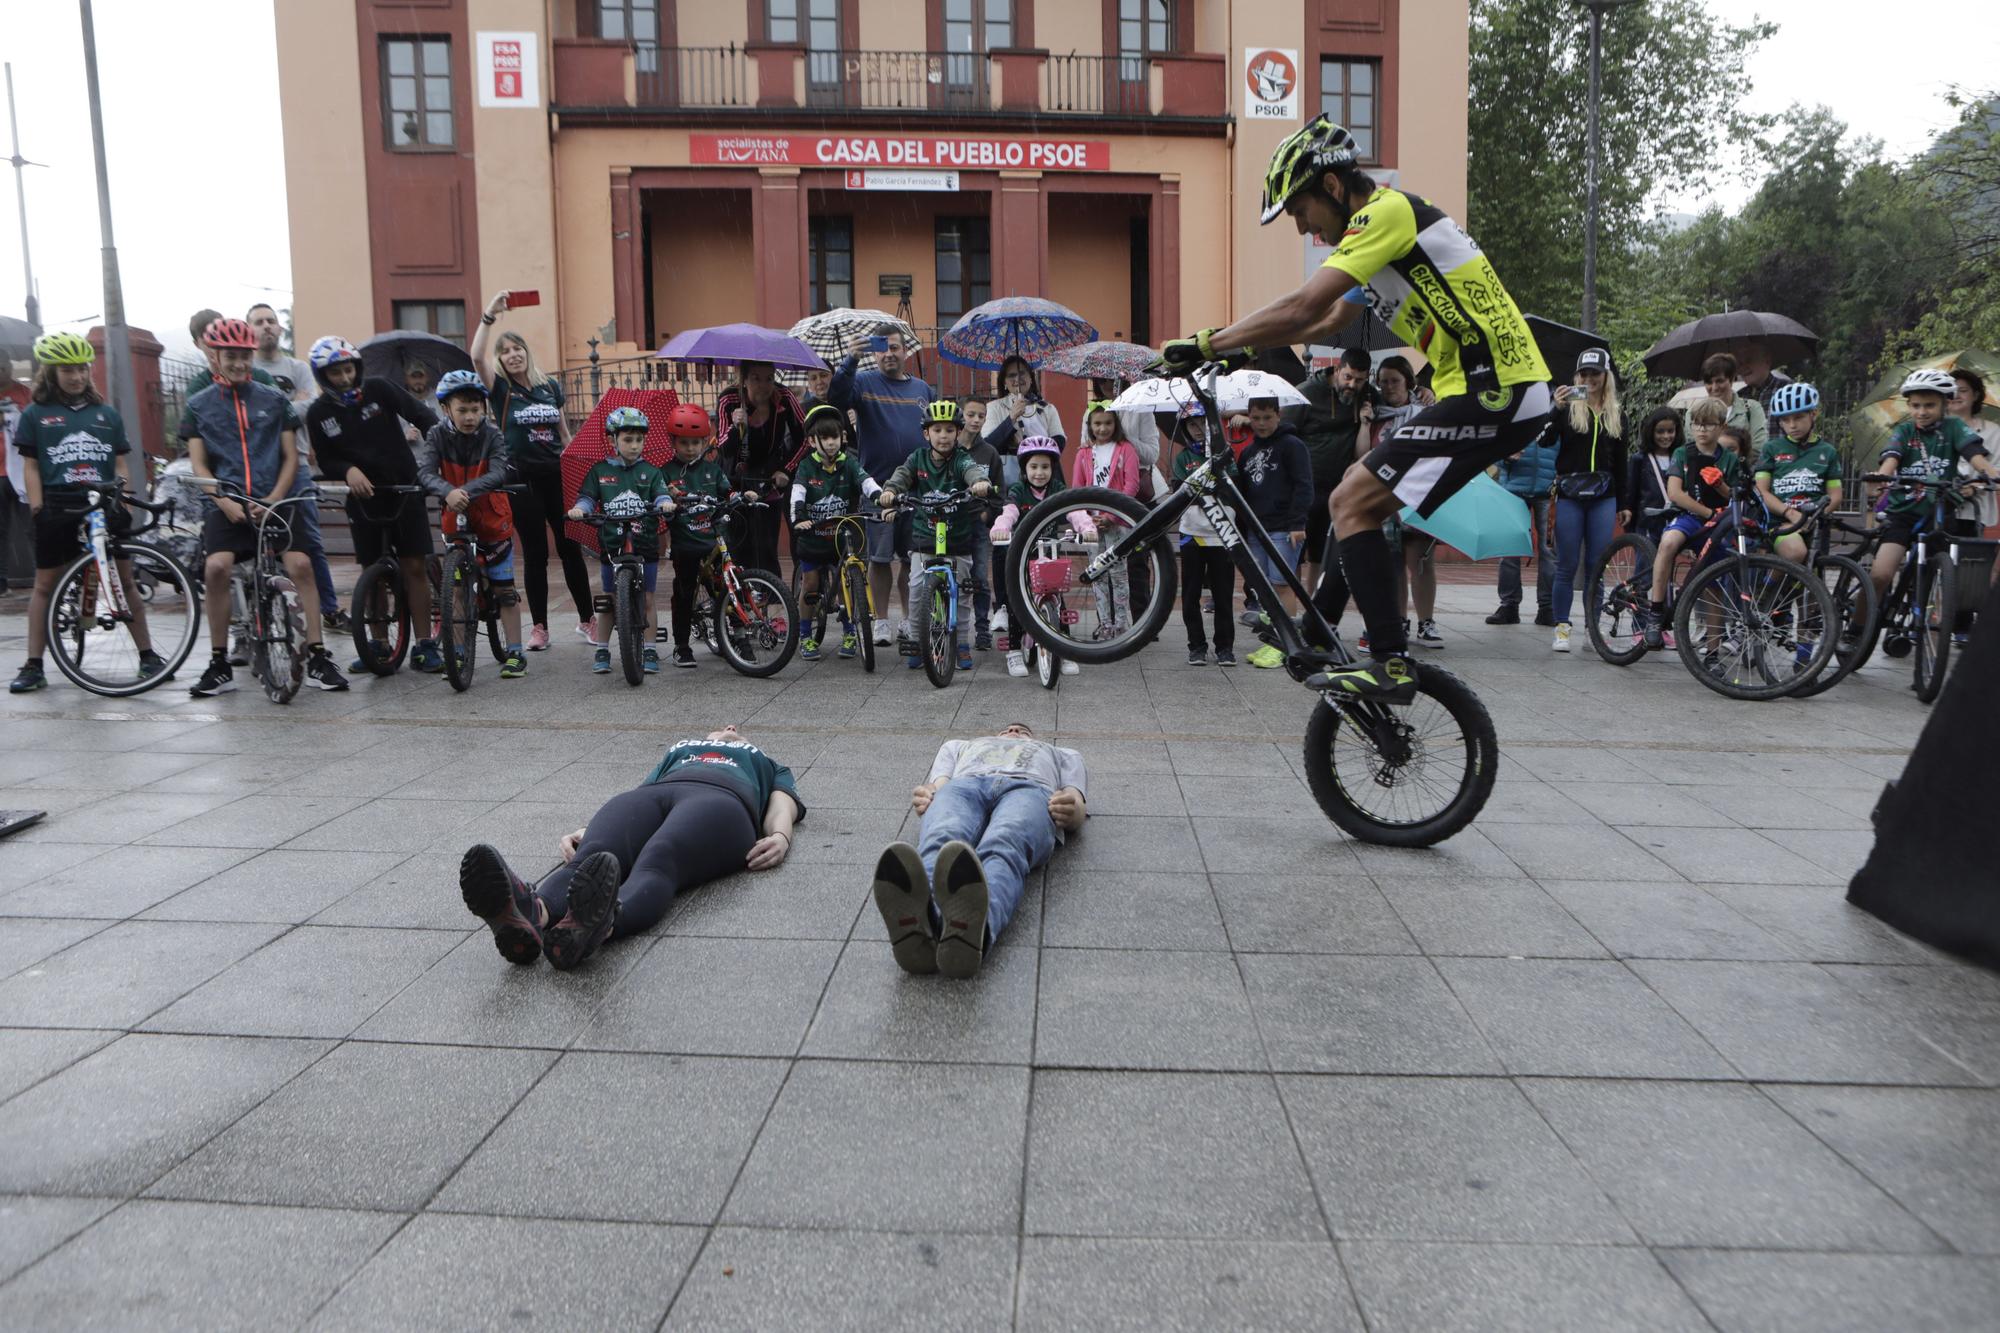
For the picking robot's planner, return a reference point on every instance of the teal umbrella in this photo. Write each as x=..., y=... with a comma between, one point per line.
x=1485, y=520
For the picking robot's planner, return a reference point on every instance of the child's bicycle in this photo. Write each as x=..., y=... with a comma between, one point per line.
x=466, y=600
x=383, y=633
x=1941, y=586
x=745, y=616
x=264, y=602
x=1051, y=576
x=934, y=586
x=616, y=538
x=852, y=600
x=91, y=621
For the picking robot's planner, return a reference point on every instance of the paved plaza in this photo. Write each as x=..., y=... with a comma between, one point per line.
x=1619, y=1056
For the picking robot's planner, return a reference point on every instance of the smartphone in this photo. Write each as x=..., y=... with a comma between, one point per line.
x=878, y=343
x=519, y=300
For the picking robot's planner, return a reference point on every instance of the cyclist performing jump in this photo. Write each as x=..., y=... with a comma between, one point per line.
x=1398, y=254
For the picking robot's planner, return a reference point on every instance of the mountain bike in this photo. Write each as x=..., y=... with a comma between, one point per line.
x=617, y=538
x=1399, y=774
x=853, y=601
x=1942, y=584
x=466, y=600
x=381, y=613
x=121, y=599
x=1845, y=574
x=934, y=585
x=746, y=616
x=264, y=602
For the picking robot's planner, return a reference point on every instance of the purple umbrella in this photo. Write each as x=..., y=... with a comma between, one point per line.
x=1024, y=326
x=733, y=344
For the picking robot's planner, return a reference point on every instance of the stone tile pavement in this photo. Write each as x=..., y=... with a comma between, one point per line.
x=1619, y=1056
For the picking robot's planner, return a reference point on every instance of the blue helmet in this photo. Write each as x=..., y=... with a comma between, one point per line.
x=460, y=381
x=627, y=418
x=1793, y=398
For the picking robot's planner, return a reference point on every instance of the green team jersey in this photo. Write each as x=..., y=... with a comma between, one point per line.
x=703, y=477
x=735, y=766
x=73, y=446
x=1709, y=479
x=623, y=490
x=1930, y=453
x=923, y=473
x=530, y=421
x=1800, y=471
x=830, y=491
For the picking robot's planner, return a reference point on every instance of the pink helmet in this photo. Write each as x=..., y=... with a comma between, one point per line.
x=1038, y=444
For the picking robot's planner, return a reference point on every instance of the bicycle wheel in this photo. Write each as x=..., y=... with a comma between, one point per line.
x=1405, y=775
x=1853, y=594
x=1081, y=524
x=629, y=606
x=1625, y=572
x=1755, y=627
x=930, y=625
x=280, y=650
x=854, y=580
x=756, y=628
x=381, y=618
x=104, y=659
x=1046, y=665
x=1937, y=611
x=458, y=626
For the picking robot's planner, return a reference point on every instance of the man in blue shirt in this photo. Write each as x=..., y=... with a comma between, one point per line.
x=888, y=409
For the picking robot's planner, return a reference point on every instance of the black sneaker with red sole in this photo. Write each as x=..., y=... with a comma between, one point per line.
x=497, y=896
x=593, y=909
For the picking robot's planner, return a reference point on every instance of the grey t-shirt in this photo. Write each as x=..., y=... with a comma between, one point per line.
x=1010, y=757
x=294, y=376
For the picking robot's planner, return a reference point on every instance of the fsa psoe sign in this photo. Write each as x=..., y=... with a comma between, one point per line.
x=1271, y=83
x=509, y=69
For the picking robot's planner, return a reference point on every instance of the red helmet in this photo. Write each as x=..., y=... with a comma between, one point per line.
x=688, y=421
x=229, y=333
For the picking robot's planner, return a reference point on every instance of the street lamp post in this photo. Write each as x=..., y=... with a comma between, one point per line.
x=1595, y=158
x=21, y=198
x=117, y=339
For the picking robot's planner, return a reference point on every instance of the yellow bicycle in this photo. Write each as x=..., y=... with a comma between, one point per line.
x=851, y=598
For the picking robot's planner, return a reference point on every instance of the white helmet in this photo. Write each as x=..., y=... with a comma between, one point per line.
x=1930, y=381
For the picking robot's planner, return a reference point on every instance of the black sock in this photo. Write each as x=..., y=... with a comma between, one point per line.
x=219, y=655
x=1370, y=568
x=33, y=662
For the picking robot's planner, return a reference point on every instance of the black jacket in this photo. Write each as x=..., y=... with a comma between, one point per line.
x=1645, y=486
x=368, y=434
x=1276, y=477
x=1592, y=449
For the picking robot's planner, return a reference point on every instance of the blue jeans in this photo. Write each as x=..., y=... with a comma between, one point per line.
x=1583, y=530
x=982, y=577
x=1007, y=821
x=309, y=541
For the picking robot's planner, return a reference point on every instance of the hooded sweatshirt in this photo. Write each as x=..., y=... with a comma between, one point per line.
x=1275, y=474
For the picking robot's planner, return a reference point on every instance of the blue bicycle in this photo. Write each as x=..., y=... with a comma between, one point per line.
x=935, y=588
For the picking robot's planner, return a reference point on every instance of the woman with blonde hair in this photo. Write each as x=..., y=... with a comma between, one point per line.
x=528, y=406
x=1590, y=486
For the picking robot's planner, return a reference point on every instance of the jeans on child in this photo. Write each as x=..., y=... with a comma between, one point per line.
x=1007, y=821
x=982, y=578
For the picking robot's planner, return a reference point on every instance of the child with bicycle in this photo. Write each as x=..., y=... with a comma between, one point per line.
x=936, y=466
x=463, y=461
x=72, y=442
x=244, y=435
x=1929, y=443
x=625, y=486
x=690, y=475
x=830, y=484
x=1701, y=478
x=1797, y=467
x=356, y=429
x=1107, y=458
x=1040, y=460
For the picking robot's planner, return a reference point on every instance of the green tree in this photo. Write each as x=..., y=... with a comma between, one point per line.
x=1960, y=179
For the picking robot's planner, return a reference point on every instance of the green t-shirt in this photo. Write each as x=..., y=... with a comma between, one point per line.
x=1800, y=471
x=73, y=447
x=736, y=766
x=530, y=421
x=1709, y=479
x=832, y=490
x=623, y=490
x=694, y=535
x=1930, y=453
x=922, y=473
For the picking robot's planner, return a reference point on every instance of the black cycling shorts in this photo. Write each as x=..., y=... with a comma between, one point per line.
x=1899, y=527
x=240, y=539
x=1319, y=523
x=1430, y=457
x=379, y=528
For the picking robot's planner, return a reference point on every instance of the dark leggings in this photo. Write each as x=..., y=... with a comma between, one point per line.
x=536, y=512
x=667, y=837
x=1208, y=569
x=687, y=580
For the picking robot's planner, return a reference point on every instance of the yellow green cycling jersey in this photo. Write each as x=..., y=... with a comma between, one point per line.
x=1430, y=284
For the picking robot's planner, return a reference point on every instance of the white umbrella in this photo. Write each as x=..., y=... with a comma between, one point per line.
x=1234, y=392
x=1154, y=396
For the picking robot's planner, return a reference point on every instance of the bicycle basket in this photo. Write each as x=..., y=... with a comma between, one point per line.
x=1048, y=578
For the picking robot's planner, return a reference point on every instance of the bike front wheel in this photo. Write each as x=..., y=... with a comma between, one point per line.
x=1067, y=612
x=458, y=628
x=626, y=600
x=855, y=582
x=1937, y=613
x=381, y=618
x=756, y=627
x=930, y=625
x=104, y=658
x=281, y=657
x=1854, y=602
x=1755, y=627
x=1403, y=775
x=1624, y=574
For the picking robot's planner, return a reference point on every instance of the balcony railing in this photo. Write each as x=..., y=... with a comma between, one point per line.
x=703, y=76
x=1121, y=85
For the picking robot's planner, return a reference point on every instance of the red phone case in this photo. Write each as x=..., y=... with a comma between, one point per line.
x=517, y=300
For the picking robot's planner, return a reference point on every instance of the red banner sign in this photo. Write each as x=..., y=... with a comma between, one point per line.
x=869, y=150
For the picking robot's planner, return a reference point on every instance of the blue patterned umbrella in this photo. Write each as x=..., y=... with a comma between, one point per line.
x=1023, y=326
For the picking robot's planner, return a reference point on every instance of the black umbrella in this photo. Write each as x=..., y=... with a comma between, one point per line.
x=1562, y=344
x=1682, y=351
x=17, y=338
x=388, y=355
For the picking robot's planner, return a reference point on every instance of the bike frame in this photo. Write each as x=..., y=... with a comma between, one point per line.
x=1933, y=540
x=97, y=529
x=940, y=563
x=850, y=538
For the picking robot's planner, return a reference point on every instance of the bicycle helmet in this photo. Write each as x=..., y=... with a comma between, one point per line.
x=627, y=418
x=826, y=412
x=460, y=381
x=1038, y=444
x=228, y=333
x=689, y=421
x=329, y=352
x=1929, y=381
x=1791, y=399
x=64, y=349
x=943, y=411
x=1302, y=159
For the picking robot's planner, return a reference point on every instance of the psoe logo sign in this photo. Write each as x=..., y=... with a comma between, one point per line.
x=1271, y=83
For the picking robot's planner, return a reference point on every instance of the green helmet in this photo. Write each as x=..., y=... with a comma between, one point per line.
x=1301, y=159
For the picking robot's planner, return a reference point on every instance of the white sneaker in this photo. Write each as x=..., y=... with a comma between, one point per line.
x=1069, y=668
x=1561, y=644
x=903, y=629
x=882, y=635
x=999, y=625
x=1017, y=663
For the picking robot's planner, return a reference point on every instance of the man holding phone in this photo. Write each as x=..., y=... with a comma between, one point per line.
x=888, y=408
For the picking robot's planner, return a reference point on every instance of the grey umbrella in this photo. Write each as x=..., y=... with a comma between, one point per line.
x=1682, y=351
x=17, y=338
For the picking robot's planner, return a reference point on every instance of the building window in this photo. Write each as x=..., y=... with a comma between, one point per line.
x=971, y=29
x=1145, y=27
x=964, y=266
x=416, y=93
x=830, y=262
x=1347, y=97
x=634, y=21
x=444, y=318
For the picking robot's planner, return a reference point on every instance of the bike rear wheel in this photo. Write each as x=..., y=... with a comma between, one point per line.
x=1755, y=627
x=930, y=623
x=1077, y=631
x=1403, y=775
x=855, y=584
x=458, y=627
x=1625, y=573
x=1854, y=606
x=105, y=660
x=1937, y=612
x=381, y=618
x=628, y=604
x=280, y=650
x=756, y=628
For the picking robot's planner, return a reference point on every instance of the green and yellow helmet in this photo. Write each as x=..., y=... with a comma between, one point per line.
x=64, y=349
x=943, y=412
x=1302, y=159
